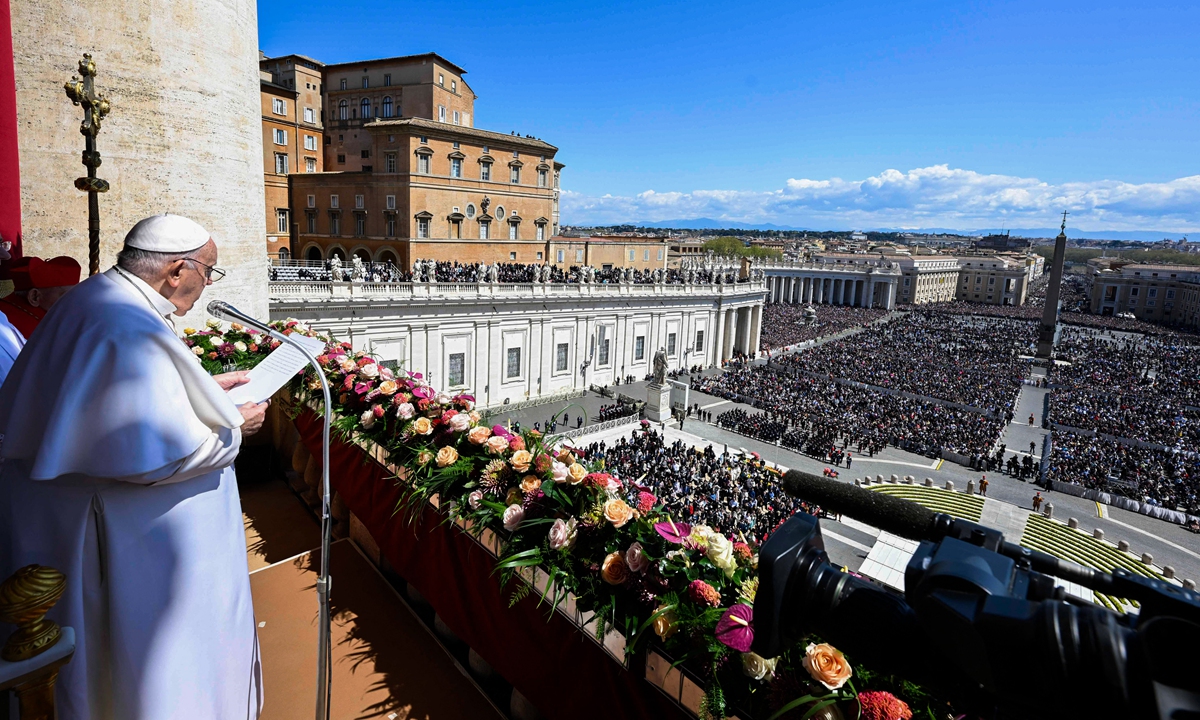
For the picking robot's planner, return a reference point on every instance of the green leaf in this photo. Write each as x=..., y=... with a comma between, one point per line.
x=795, y=704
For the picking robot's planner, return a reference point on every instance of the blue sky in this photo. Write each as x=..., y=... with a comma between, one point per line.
x=820, y=114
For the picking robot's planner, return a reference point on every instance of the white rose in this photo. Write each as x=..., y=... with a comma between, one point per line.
x=513, y=515
x=560, y=472
x=367, y=419
x=720, y=553
x=369, y=371
x=239, y=346
x=474, y=499
x=348, y=365
x=213, y=323
x=442, y=399
x=405, y=410
x=198, y=350
x=758, y=667
x=386, y=373
x=460, y=423
x=562, y=534
x=635, y=558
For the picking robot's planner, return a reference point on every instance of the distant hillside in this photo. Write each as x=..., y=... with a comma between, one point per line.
x=1073, y=233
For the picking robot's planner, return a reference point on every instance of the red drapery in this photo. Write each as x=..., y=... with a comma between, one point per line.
x=550, y=662
x=10, y=163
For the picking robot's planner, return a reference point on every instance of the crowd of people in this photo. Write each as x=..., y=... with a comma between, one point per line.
x=1167, y=478
x=972, y=361
x=1129, y=386
x=734, y=494
x=358, y=270
x=818, y=412
x=784, y=325
x=620, y=409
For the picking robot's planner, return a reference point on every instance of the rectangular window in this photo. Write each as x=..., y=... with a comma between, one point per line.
x=390, y=202
x=423, y=164
x=310, y=142
x=671, y=344
x=343, y=84
x=441, y=113
x=539, y=256
x=341, y=159
x=484, y=230
x=660, y=252
x=387, y=79
x=485, y=171
x=645, y=256
x=1170, y=294
x=453, y=86
x=390, y=226
x=639, y=347
x=310, y=164
x=561, y=355
x=604, y=344
x=514, y=175
x=312, y=201
x=312, y=223
x=389, y=162
x=280, y=137
x=278, y=106
x=1152, y=292
x=699, y=341
x=512, y=366
x=631, y=256
x=359, y=202
x=541, y=178
x=360, y=225
x=335, y=224
x=456, y=369
x=334, y=202
x=991, y=281
x=281, y=163
x=422, y=228
x=365, y=154
x=281, y=218
x=441, y=80
x=512, y=231
x=456, y=117
x=560, y=255
x=366, y=83
x=310, y=116
x=455, y=167
x=578, y=256
x=541, y=233
x=1133, y=292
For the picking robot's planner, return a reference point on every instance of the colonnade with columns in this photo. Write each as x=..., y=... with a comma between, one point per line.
x=851, y=288
x=739, y=329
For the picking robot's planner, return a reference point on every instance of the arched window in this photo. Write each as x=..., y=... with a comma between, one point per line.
x=313, y=254
x=343, y=110
x=366, y=108
x=387, y=107
x=363, y=255
x=284, y=254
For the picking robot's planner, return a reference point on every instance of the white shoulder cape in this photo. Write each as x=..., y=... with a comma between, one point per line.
x=106, y=389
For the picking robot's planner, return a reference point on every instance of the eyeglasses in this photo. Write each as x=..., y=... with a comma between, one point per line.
x=212, y=274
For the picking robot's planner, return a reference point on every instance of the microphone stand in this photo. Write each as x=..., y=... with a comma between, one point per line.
x=324, y=650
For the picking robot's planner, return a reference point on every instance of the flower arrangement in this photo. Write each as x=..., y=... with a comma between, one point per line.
x=237, y=347
x=606, y=540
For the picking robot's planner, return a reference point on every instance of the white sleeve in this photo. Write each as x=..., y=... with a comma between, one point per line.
x=217, y=452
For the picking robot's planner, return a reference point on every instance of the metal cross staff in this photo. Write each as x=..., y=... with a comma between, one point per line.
x=95, y=107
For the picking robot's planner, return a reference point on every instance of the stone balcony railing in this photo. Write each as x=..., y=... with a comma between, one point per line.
x=310, y=291
x=874, y=265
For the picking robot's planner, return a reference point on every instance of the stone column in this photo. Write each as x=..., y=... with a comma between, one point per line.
x=891, y=296
x=727, y=342
x=756, y=327
x=870, y=293
x=718, y=336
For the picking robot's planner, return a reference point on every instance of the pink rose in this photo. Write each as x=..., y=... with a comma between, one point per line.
x=405, y=411
x=560, y=472
x=474, y=499
x=479, y=435
x=635, y=558
x=367, y=419
x=497, y=444
x=460, y=423
x=562, y=534
x=513, y=515
x=516, y=442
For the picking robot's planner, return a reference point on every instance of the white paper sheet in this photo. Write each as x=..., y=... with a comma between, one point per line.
x=275, y=371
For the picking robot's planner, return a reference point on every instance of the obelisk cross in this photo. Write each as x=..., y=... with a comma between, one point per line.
x=1063, y=229
x=95, y=107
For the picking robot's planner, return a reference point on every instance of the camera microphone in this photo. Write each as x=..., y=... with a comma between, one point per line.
x=890, y=514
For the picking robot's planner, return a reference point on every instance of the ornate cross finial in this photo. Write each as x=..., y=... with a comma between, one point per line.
x=1063, y=229
x=95, y=107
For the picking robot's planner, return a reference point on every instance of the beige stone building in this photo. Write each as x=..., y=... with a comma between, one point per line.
x=1167, y=294
x=292, y=138
x=640, y=253
x=927, y=279
x=992, y=279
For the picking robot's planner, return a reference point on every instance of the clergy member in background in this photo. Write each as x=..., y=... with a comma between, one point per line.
x=118, y=471
x=37, y=285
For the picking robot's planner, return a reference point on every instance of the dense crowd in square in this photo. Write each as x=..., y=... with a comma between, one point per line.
x=965, y=360
x=440, y=271
x=1167, y=478
x=734, y=494
x=784, y=325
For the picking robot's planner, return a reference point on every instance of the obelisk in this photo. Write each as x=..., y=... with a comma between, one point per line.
x=1048, y=332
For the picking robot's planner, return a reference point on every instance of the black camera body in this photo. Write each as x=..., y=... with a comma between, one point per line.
x=983, y=625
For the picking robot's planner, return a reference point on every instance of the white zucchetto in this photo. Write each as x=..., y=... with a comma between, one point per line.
x=167, y=233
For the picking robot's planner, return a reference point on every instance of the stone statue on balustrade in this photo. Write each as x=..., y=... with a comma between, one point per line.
x=660, y=366
x=547, y=272
x=494, y=273
x=357, y=272
x=628, y=272
x=335, y=268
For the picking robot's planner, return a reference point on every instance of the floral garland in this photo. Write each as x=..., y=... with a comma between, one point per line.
x=609, y=542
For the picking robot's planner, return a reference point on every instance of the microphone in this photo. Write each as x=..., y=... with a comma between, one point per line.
x=890, y=514
x=225, y=311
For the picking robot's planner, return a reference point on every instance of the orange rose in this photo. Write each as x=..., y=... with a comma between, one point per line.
x=521, y=460
x=530, y=483
x=615, y=571
x=424, y=457
x=496, y=444
x=827, y=665
x=665, y=624
x=388, y=387
x=617, y=512
x=577, y=473
x=478, y=435
x=447, y=456
x=422, y=426
x=565, y=457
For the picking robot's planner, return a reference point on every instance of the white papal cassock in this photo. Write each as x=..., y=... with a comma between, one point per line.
x=118, y=452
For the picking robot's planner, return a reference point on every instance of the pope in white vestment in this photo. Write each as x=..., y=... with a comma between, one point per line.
x=118, y=471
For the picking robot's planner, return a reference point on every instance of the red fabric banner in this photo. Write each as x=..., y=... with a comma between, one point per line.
x=10, y=161
x=563, y=673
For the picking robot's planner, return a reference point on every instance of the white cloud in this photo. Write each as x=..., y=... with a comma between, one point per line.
x=937, y=196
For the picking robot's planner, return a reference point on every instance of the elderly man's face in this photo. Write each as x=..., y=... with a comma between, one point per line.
x=189, y=277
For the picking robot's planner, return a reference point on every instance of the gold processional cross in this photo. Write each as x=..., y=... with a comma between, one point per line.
x=95, y=107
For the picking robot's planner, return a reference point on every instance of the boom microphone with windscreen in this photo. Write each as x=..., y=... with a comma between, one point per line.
x=891, y=514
